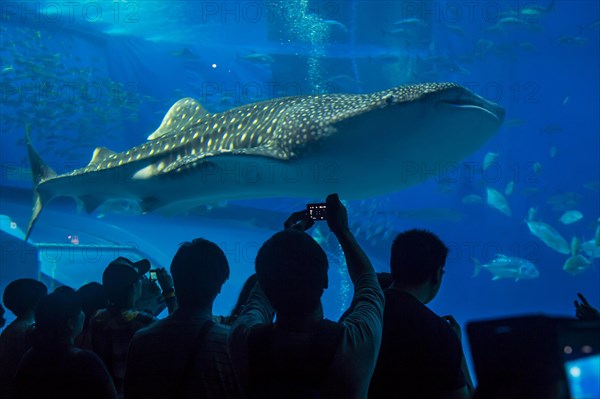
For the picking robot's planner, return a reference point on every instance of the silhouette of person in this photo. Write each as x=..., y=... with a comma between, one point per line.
x=421, y=353
x=302, y=354
x=110, y=330
x=54, y=367
x=185, y=354
x=20, y=297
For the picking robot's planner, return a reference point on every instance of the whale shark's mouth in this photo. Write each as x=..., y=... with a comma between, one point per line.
x=459, y=97
x=492, y=109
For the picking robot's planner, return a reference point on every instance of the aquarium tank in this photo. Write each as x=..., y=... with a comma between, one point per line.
x=129, y=127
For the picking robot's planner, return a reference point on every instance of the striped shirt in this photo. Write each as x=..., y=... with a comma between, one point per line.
x=159, y=353
x=110, y=333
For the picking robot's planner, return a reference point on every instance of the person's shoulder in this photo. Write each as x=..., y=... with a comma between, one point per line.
x=400, y=304
x=8, y=332
x=17, y=327
x=153, y=327
x=402, y=301
x=84, y=357
x=220, y=330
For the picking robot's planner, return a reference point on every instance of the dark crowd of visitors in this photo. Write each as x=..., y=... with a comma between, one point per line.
x=105, y=341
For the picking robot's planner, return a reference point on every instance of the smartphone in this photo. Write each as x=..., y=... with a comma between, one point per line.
x=152, y=275
x=317, y=211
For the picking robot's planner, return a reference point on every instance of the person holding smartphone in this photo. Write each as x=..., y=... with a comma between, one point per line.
x=303, y=354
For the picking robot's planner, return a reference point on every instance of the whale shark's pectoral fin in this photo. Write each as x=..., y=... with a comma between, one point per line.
x=181, y=115
x=206, y=162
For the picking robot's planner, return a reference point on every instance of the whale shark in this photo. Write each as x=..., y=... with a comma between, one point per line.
x=358, y=145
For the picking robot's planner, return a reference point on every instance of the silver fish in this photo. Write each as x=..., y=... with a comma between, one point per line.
x=503, y=266
x=549, y=236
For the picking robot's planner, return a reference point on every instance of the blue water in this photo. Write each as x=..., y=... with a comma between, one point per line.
x=104, y=74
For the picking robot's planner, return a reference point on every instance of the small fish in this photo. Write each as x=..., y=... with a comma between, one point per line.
x=549, y=236
x=472, y=199
x=258, y=58
x=535, y=10
x=412, y=23
x=565, y=100
x=489, y=159
x=577, y=264
x=597, y=235
x=552, y=129
x=515, y=122
x=591, y=249
x=537, y=168
x=337, y=25
x=509, y=188
x=184, y=53
x=570, y=217
x=572, y=40
x=552, y=152
x=497, y=201
x=513, y=23
x=508, y=267
x=564, y=202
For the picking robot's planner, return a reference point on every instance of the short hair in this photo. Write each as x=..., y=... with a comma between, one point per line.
x=53, y=314
x=93, y=297
x=292, y=270
x=417, y=255
x=199, y=270
x=23, y=295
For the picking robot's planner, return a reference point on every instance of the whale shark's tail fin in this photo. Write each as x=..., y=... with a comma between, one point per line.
x=40, y=171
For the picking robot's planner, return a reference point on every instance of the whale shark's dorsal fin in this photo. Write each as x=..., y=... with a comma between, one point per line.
x=100, y=154
x=183, y=113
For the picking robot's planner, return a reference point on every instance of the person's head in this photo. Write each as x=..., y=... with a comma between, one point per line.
x=58, y=318
x=93, y=297
x=121, y=280
x=199, y=270
x=418, y=258
x=292, y=270
x=22, y=296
